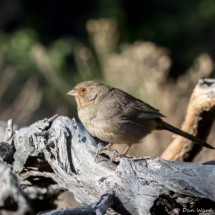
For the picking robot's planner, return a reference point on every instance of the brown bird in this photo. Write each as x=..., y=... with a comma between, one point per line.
x=114, y=116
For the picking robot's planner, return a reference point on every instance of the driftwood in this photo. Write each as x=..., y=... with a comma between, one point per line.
x=60, y=152
x=44, y=197
x=13, y=201
x=198, y=121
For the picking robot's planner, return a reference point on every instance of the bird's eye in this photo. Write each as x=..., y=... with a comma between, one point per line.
x=83, y=90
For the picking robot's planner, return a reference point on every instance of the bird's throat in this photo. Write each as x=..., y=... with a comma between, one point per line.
x=83, y=104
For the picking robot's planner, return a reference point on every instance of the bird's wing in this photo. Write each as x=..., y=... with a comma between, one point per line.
x=126, y=107
x=138, y=110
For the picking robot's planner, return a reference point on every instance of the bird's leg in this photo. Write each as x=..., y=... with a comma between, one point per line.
x=121, y=155
x=105, y=148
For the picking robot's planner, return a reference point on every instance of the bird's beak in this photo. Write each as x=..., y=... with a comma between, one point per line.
x=72, y=93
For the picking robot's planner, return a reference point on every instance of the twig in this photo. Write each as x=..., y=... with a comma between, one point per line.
x=9, y=130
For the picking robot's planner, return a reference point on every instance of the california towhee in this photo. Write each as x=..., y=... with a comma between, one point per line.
x=114, y=116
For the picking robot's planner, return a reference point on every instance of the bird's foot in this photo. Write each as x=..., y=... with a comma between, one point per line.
x=116, y=156
x=103, y=149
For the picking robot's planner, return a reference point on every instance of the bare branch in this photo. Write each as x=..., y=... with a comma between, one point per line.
x=198, y=121
x=98, y=208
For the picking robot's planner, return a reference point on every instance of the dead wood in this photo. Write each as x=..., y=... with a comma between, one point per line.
x=13, y=200
x=106, y=201
x=198, y=121
x=60, y=152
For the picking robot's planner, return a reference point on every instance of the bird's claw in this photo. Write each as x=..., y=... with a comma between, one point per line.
x=119, y=155
x=103, y=149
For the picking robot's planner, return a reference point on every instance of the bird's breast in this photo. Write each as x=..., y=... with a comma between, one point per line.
x=113, y=129
x=100, y=128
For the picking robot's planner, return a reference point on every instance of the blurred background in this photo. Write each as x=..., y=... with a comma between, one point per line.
x=155, y=50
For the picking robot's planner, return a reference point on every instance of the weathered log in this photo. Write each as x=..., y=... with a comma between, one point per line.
x=45, y=197
x=61, y=151
x=13, y=201
x=198, y=121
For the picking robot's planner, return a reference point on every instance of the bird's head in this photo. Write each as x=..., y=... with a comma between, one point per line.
x=86, y=91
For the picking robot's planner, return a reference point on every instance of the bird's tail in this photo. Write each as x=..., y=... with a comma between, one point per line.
x=163, y=125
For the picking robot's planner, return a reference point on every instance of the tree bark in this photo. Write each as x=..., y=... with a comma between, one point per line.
x=60, y=151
